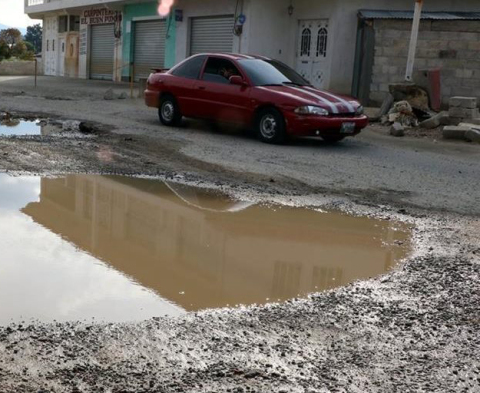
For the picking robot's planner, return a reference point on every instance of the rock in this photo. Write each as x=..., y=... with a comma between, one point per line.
x=109, y=95
x=122, y=96
x=463, y=102
x=71, y=125
x=416, y=96
x=455, y=132
x=463, y=112
x=473, y=136
x=397, y=130
x=439, y=119
x=87, y=127
x=386, y=105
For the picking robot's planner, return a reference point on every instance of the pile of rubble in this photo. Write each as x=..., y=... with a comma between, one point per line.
x=462, y=121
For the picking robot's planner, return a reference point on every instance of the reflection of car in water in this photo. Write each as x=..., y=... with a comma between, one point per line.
x=203, y=252
x=254, y=92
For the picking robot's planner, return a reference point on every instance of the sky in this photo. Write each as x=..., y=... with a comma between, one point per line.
x=11, y=14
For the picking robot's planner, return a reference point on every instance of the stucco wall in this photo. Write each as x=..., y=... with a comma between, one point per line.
x=16, y=68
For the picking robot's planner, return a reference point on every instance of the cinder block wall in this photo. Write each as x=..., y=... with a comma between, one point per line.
x=452, y=46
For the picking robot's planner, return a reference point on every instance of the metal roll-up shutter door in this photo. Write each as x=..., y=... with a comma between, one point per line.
x=102, y=53
x=149, y=47
x=212, y=34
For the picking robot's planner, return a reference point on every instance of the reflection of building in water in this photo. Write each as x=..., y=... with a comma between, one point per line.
x=203, y=252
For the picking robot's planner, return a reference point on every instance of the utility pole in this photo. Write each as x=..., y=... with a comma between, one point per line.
x=413, y=40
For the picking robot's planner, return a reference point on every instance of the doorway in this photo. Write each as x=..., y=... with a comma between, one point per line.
x=313, y=52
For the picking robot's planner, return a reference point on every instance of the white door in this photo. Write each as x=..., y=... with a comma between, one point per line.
x=313, y=52
x=51, y=45
x=61, y=57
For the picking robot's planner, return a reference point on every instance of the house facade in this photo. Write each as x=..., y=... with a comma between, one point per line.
x=323, y=40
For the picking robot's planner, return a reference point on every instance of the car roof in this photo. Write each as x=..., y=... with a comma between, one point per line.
x=234, y=56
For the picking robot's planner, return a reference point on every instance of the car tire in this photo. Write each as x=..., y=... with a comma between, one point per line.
x=271, y=126
x=169, y=111
x=332, y=139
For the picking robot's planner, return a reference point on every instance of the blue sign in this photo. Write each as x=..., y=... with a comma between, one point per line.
x=242, y=19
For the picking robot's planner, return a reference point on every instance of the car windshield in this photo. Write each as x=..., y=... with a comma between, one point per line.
x=271, y=72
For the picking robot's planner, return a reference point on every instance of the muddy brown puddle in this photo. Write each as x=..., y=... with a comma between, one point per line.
x=123, y=249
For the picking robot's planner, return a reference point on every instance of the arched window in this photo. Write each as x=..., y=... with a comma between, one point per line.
x=322, y=41
x=306, y=42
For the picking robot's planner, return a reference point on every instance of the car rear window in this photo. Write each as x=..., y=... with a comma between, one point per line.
x=191, y=68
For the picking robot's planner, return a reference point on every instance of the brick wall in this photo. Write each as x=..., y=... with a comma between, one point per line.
x=452, y=46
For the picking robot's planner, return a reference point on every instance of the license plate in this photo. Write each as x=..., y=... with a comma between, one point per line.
x=347, y=128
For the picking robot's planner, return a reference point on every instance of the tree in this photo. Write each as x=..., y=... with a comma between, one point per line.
x=12, y=44
x=4, y=51
x=34, y=36
x=10, y=37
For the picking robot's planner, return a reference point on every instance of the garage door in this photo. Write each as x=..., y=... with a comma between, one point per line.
x=212, y=34
x=149, y=47
x=102, y=53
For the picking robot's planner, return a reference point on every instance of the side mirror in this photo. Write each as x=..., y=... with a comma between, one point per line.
x=237, y=80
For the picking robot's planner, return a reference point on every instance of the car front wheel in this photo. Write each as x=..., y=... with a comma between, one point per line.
x=169, y=112
x=271, y=126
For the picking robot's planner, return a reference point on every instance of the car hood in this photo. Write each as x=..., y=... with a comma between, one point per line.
x=307, y=95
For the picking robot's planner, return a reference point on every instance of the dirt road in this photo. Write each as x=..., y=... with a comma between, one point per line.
x=415, y=329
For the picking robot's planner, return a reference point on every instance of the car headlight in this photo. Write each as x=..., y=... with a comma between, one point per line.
x=360, y=110
x=311, y=110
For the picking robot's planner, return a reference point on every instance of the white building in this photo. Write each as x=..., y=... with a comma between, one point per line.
x=322, y=39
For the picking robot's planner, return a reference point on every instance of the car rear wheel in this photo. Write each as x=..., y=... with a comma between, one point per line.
x=333, y=138
x=169, y=112
x=271, y=126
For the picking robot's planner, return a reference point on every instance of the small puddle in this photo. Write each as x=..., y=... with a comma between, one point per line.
x=124, y=249
x=19, y=127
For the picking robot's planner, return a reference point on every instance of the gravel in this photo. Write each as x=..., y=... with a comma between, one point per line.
x=414, y=329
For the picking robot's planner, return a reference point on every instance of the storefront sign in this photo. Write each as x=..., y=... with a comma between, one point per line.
x=100, y=16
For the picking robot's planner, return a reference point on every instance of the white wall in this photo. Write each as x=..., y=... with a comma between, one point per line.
x=272, y=32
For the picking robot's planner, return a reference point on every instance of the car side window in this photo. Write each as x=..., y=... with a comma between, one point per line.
x=219, y=70
x=191, y=68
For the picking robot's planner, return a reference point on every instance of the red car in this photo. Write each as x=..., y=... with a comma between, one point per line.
x=255, y=92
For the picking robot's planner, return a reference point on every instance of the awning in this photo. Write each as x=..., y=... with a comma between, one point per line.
x=384, y=14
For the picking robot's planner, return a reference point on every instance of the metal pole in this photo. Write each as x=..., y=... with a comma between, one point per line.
x=36, y=67
x=132, y=76
x=413, y=40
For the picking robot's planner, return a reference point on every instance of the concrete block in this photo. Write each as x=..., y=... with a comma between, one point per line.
x=441, y=118
x=473, y=136
x=463, y=102
x=464, y=113
x=451, y=121
x=474, y=121
x=455, y=132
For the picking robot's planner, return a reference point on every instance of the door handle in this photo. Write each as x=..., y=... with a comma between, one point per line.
x=201, y=87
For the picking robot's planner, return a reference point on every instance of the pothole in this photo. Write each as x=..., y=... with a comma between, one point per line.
x=123, y=249
x=14, y=126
